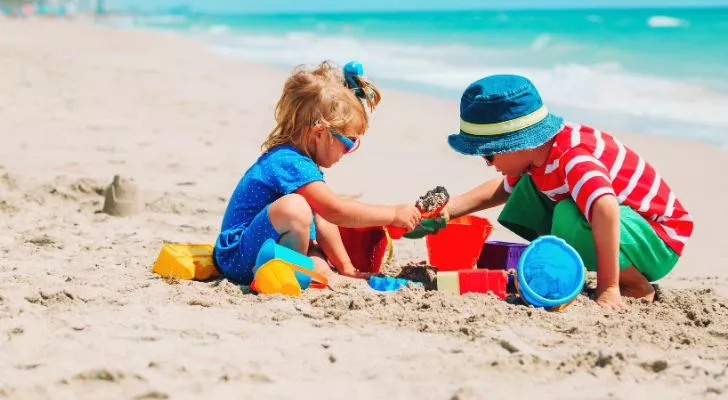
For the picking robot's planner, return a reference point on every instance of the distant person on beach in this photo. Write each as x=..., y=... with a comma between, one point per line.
x=570, y=181
x=320, y=118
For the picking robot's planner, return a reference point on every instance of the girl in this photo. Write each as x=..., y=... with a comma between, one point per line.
x=320, y=117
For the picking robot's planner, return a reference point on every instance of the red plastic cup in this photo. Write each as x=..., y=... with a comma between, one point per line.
x=366, y=247
x=459, y=244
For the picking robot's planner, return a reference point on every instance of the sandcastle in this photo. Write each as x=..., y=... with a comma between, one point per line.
x=122, y=198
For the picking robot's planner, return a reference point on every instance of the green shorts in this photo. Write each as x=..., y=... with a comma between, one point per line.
x=530, y=214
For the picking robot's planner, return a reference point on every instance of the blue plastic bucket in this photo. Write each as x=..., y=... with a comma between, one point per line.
x=550, y=273
x=272, y=250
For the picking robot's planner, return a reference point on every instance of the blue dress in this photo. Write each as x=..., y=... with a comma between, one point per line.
x=246, y=224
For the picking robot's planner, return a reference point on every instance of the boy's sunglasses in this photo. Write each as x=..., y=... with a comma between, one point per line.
x=489, y=159
x=351, y=144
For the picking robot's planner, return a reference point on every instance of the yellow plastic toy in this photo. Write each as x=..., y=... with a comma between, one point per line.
x=281, y=270
x=276, y=276
x=279, y=276
x=186, y=261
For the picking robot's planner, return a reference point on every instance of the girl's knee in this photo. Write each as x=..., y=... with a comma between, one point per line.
x=291, y=211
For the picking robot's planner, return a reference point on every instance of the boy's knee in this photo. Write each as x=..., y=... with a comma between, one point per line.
x=293, y=209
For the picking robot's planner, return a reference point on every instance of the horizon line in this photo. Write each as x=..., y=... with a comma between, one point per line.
x=399, y=10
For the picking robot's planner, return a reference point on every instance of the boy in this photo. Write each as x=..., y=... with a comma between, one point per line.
x=570, y=181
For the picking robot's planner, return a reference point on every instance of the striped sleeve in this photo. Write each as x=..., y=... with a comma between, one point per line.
x=509, y=183
x=586, y=177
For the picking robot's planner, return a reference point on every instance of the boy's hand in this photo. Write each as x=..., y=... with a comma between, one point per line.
x=406, y=216
x=611, y=299
x=426, y=227
x=605, y=227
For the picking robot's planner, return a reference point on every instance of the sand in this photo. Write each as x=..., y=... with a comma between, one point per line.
x=82, y=316
x=433, y=199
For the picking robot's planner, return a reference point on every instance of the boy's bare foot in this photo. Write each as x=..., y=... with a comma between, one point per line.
x=633, y=284
x=641, y=293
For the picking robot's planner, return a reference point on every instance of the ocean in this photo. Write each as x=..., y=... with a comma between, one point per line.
x=655, y=71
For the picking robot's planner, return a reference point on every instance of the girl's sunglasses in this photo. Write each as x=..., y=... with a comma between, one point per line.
x=351, y=144
x=488, y=160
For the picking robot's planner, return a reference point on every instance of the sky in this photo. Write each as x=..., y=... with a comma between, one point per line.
x=378, y=5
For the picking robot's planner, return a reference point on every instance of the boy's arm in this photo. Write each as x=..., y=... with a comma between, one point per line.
x=490, y=194
x=605, y=228
x=591, y=188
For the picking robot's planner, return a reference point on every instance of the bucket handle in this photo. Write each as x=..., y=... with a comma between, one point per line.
x=322, y=283
x=390, y=246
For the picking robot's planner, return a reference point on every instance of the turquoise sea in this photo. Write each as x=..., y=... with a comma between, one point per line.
x=659, y=71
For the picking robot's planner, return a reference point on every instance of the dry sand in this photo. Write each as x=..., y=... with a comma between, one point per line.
x=82, y=316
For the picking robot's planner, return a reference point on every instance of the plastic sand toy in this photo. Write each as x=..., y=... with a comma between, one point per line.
x=388, y=283
x=459, y=244
x=186, y=261
x=550, y=274
x=430, y=205
x=281, y=270
x=433, y=202
x=473, y=281
x=501, y=255
x=367, y=247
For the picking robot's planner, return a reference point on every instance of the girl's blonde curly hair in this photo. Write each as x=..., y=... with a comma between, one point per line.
x=319, y=95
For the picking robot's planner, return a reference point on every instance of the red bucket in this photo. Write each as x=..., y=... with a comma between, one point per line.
x=396, y=232
x=366, y=247
x=458, y=246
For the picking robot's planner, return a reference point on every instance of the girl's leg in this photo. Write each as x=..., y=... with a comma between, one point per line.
x=320, y=261
x=330, y=243
x=291, y=217
x=287, y=221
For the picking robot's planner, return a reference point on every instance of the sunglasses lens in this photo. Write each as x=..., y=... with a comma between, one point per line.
x=354, y=145
x=351, y=144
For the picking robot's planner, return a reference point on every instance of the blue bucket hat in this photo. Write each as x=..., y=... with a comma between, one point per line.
x=502, y=114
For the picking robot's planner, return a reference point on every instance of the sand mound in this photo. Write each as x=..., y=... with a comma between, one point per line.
x=423, y=274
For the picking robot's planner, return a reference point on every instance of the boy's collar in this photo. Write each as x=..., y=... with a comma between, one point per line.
x=541, y=169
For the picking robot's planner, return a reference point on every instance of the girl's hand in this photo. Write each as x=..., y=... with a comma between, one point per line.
x=352, y=272
x=406, y=216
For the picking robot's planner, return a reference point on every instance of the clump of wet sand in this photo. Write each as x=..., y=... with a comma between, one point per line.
x=424, y=274
x=433, y=199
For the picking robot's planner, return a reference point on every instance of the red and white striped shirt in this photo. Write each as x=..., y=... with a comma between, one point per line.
x=587, y=164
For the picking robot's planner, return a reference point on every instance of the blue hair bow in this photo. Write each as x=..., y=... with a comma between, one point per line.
x=351, y=70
